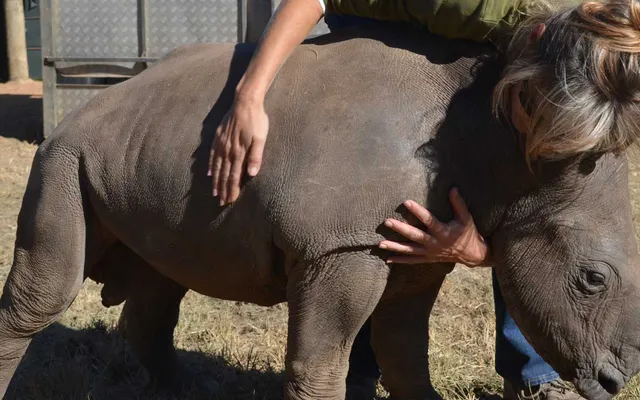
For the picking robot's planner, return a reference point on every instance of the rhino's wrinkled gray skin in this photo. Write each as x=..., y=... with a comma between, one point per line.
x=119, y=193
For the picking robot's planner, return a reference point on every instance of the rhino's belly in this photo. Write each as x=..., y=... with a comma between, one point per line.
x=228, y=254
x=215, y=267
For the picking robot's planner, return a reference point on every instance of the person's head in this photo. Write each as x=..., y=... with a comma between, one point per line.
x=572, y=83
x=566, y=259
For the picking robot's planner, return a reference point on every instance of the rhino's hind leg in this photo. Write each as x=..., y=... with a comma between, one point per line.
x=329, y=301
x=148, y=319
x=49, y=258
x=400, y=328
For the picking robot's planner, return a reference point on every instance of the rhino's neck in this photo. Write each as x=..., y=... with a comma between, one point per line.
x=479, y=154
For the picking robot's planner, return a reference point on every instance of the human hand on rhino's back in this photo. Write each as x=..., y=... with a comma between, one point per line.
x=243, y=132
x=241, y=136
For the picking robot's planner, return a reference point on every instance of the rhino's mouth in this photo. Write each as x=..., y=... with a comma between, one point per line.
x=591, y=389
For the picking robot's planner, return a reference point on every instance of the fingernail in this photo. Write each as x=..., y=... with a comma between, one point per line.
x=221, y=203
x=215, y=192
x=389, y=224
x=253, y=171
x=389, y=262
x=382, y=246
x=209, y=173
x=408, y=204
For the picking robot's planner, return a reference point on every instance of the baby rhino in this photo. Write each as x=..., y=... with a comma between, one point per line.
x=119, y=194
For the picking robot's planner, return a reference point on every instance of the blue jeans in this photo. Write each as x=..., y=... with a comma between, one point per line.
x=516, y=360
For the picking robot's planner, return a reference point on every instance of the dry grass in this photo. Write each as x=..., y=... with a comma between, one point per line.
x=239, y=346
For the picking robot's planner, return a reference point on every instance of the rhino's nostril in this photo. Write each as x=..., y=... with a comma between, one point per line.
x=611, y=379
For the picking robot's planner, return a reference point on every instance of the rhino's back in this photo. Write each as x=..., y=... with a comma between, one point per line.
x=346, y=119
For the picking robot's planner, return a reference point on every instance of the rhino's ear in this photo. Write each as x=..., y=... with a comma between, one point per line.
x=588, y=163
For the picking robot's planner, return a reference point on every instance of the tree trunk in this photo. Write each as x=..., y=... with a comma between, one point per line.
x=16, y=40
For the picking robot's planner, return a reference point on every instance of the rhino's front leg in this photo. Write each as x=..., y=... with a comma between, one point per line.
x=329, y=301
x=400, y=329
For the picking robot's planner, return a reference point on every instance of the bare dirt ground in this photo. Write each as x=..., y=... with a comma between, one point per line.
x=239, y=346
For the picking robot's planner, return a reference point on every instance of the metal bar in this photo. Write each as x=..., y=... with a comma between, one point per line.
x=48, y=72
x=242, y=21
x=258, y=14
x=48, y=60
x=142, y=28
x=81, y=86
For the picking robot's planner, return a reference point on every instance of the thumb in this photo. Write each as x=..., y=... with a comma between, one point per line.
x=254, y=161
x=459, y=207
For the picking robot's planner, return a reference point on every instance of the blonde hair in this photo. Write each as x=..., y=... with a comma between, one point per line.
x=580, y=79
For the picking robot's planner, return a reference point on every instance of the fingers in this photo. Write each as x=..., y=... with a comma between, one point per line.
x=211, y=156
x=215, y=164
x=432, y=223
x=459, y=207
x=403, y=248
x=235, y=174
x=408, y=260
x=410, y=232
x=254, y=161
x=239, y=155
x=240, y=141
x=217, y=167
x=223, y=180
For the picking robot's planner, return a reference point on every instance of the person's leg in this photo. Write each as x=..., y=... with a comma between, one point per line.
x=363, y=368
x=362, y=362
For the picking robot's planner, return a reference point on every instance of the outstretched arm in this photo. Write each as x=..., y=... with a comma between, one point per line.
x=241, y=136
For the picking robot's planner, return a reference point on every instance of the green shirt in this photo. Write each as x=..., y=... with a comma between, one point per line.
x=454, y=19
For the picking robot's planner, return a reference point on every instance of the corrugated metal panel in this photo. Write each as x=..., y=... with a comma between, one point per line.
x=88, y=28
x=172, y=23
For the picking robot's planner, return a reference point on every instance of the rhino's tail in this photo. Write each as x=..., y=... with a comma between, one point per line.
x=49, y=258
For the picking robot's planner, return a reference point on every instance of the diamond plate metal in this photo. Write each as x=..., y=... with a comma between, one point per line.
x=68, y=99
x=89, y=28
x=172, y=23
x=114, y=28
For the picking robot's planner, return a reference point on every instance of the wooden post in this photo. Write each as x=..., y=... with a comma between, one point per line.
x=16, y=41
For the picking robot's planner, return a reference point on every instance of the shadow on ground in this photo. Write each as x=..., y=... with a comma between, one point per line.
x=21, y=117
x=95, y=363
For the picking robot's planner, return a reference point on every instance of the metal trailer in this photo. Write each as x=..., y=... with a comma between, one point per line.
x=88, y=45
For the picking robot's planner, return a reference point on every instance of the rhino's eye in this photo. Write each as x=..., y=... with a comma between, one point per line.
x=595, y=278
x=593, y=282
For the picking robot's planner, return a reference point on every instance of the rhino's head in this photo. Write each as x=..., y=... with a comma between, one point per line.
x=570, y=274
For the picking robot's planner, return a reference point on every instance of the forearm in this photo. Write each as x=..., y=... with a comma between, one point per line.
x=290, y=25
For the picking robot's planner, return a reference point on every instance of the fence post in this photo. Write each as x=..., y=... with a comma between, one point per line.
x=16, y=40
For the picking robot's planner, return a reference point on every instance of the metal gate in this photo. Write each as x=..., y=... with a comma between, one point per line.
x=89, y=44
